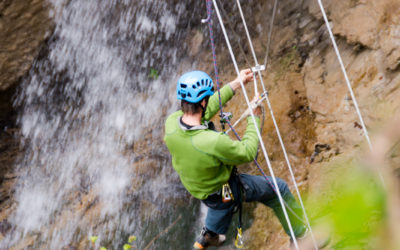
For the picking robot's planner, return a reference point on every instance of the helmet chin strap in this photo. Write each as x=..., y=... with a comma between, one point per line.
x=203, y=108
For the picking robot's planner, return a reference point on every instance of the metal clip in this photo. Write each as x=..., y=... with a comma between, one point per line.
x=226, y=116
x=227, y=195
x=258, y=68
x=239, y=238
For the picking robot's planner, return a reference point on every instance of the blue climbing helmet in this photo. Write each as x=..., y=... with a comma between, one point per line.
x=194, y=86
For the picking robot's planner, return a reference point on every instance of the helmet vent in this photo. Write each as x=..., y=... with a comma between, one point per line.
x=201, y=92
x=194, y=86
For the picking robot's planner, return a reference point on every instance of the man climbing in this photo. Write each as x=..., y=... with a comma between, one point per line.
x=205, y=159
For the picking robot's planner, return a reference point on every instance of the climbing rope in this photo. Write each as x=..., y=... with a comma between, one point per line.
x=347, y=80
x=257, y=130
x=238, y=38
x=227, y=117
x=273, y=116
x=271, y=26
x=209, y=21
x=345, y=74
x=272, y=113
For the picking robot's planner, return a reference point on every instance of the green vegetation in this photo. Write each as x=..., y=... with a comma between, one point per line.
x=285, y=62
x=126, y=246
x=153, y=74
x=352, y=207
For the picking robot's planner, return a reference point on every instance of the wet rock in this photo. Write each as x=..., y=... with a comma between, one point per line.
x=318, y=149
x=24, y=25
x=5, y=226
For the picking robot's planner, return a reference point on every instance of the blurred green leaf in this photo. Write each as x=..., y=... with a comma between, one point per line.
x=353, y=206
x=127, y=246
x=132, y=238
x=153, y=74
x=93, y=239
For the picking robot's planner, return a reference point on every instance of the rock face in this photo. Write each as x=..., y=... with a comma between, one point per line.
x=24, y=25
x=311, y=101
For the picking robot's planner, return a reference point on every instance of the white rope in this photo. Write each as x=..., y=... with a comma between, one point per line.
x=345, y=74
x=255, y=123
x=255, y=84
x=271, y=26
x=274, y=120
x=347, y=80
x=246, y=113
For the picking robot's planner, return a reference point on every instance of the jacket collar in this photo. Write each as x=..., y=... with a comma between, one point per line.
x=197, y=127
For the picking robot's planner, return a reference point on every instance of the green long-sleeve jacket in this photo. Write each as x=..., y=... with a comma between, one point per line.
x=203, y=158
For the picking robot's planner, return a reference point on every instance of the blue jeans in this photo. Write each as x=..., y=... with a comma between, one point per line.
x=254, y=188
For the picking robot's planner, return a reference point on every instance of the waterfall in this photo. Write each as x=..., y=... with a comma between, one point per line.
x=92, y=114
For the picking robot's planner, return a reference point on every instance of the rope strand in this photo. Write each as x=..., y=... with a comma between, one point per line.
x=255, y=123
x=347, y=81
x=209, y=21
x=274, y=120
x=271, y=26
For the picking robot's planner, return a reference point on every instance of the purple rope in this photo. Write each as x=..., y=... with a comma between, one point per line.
x=255, y=161
x=265, y=176
x=209, y=21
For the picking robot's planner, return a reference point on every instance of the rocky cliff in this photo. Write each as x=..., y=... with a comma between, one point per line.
x=307, y=90
x=24, y=27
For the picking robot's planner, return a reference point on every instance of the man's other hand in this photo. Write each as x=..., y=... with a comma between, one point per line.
x=257, y=110
x=245, y=75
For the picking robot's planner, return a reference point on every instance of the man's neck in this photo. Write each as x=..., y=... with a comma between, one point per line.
x=192, y=119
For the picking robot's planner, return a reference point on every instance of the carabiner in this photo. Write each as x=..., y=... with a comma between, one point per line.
x=239, y=238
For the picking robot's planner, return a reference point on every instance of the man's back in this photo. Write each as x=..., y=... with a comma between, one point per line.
x=204, y=158
x=194, y=158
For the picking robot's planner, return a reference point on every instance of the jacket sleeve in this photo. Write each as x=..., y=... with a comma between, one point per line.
x=213, y=102
x=232, y=152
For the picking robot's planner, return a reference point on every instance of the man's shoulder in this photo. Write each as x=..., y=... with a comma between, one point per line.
x=174, y=116
x=206, y=138
x=171, y=123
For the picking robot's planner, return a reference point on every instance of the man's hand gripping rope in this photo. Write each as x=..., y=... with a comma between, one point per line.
x=255, y=105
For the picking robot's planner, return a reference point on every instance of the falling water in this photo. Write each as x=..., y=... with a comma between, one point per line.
x=92, y=116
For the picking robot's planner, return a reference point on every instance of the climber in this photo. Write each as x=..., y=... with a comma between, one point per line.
x=205, y=160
